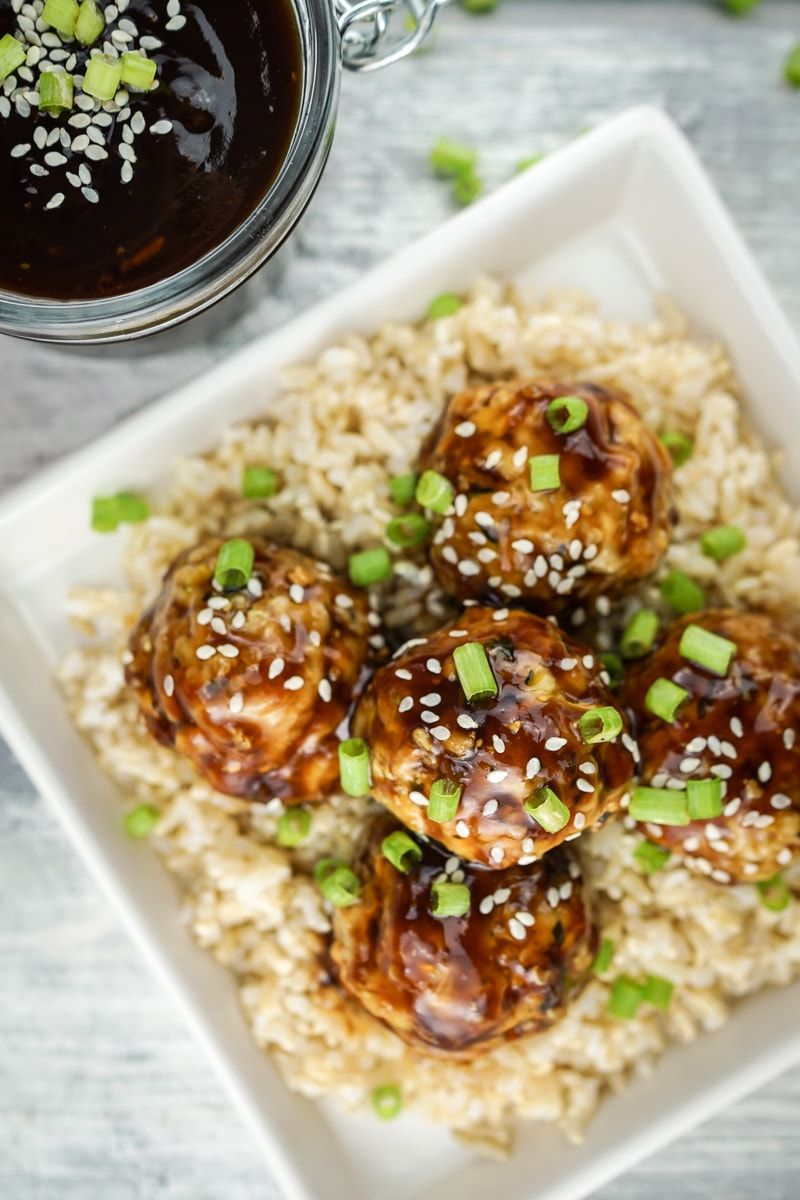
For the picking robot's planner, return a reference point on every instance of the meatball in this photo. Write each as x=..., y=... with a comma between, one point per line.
x=504, y=753
x=604, y=526
x=253, y=684
x=740, y=729
x=455, y=984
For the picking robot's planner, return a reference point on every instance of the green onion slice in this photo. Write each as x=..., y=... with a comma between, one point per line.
x=90, y=23
x=61, y=15
x=774, y=893
x=639, y=634
x=525, y=164
x=402, y=489
x=547, y=810
x=604, y=956
x=259, y=483
x=12, y=55
x=444, y=801
x=791, y=70
x=661, y=806
x=387, y=1100
x=614, y=668
x=657, y=991
x=626, y=996
x=444, y=306
x=337, y=882
x=474, y=672
x=545, y=472
x=401, y=850
x=369, y=567
x=125, y=508
x=354, y=766
x=723, y=542
x=294, y=826
x=138, y=72
x=680, y=446
x=682, y=593
x=234, y=563
x=409, y=530
x=102, y=77
x=480, y=6
x=650, y=857
x=600, y=725
x=705, y=799
x=453, y=158
x=707, y=649
x=140, y=821
x=434, y=492
x=449, y=899
x=664, y=698
x=567, y=413
x=466, y=188
x=55, y=92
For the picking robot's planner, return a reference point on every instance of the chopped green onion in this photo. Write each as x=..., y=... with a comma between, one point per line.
x=614, y=667
x=453, y=158
x=660, y=806
x=525, y=164
x=434, y=492
x=294, y=826
x=650, y=857
x=664, y=698
x=740, y=8
x=705, y=799
x=626, y=996
x=791, y=70
x=55, y=92
x=444, y=800
x=707, y=649
x=12, y=55
x=474, y=672
x=402, y=488
x=567, y=413
x=774, y=893
x=337, y=882
x=138, y=72
x=259, y=483
x=449, y=899
x=369, y=567
x=547, y=810
x=480, y=6
x=354, y=766
x=409, y=530
x=467, y=188
x=103, y=77
x=387, y=1100
x=401, y=850
x=61, y=15
x=682, y=593
x=105, y=517
x=722, y=543
x=234, y=563
x=604, y=956
x=680, y=446
x=600, y=725
x=639, y=634
x=444, y=306
x=125, y=508
x=131, y=508
x=545, y=472
x=141, y=821
x=657, y=991
x=90, y=23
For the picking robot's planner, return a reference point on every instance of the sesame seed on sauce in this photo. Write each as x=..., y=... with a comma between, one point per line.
x=405, y=705
x=219, y=626
x=465, y=429
x=462, y=829
x=441, y=733
x=467, y=567
x=583, y=785
x=204, y=617
x=431, y=699
x=696, y=746
x=588, y=661
x=126, y=658
x=496, y=854
x=490, y=808
x=764, y=772
x=689, y=764
x=294, y=683
x=486, y=906
x=783, y=857
x=553, y=897
x=285, y=622
x=714, y=744
x=621, y=495
x=540, y=566
x=736, y=727
x=419, y=799
x=533, y=768
x=457, y=633
x=493, y=459
x=460, y=505
x=501, y=498
x=779, y=800
x=228, y=650
x=205, y=652
x=402, y=673
x=498, y=743
x=520, y=457
x=788, y=738
x=732, y=807
x=434, y=666
x=555, y=743
x=239, y=620
x=497, y=776
x=580, y=820
x=430, y=718
x=342, y=600
x=297, y=594
x=275, y=667
x=466, y=721
x=324, y=690
x=218, y=603
x=517, y=929
x=255, y=587
x=568, y=664
x=588, y=768
x=236, y=702
x=523, y=546
x=169, y=685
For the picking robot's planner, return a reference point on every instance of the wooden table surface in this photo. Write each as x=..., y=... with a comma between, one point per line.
x=102, y=1094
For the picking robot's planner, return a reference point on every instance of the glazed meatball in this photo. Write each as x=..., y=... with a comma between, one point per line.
x=456, y=984
x=740, y=729
x=252, y=684
x=604, y=526
x=503, y=753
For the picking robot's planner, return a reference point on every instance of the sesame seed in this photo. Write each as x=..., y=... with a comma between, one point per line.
x=555, y=743
x=583, y=785
x=500, y=614
x=720, y=876
x=418, y=798
x=779, y=800
x=696, y=745
x=493, y=458
x=517, y=929
x=228, y=651
x=732, y=807
x=728, y=750
x=20, y=150
x=324, y=690
x=219, y=626
x=486, y=905
x=169, y=685
x=239, y=620
x=579, y=820
x=450, y=555
x=297, y=593
x=161, y=126
x=218, y=603
x=460, y=505
x=588, y=768
x=523, y=546
x=553, y=897
x=689, y=764
x=255, y=587
x=714, y=744
x=173, y=25
x=466, y=721
x=565, y=891
x=501, y=498
x=434, y=666
x=788, y=738
x=533, y=768
x=621, y=495
x=431, y=699
x=588, y=661
x=405, y=705
x=540, y=566
x=567, y=664
x=402, y=673
x=441, y=733
x=430, y=718
x=342, y=600
x=490, y=808
x=501, y=895
x=520, y=457
x=783, y=857
x=205, y=652
x=236, y=702
x=497, y=776
x=498, y=743
x=462, y=829
x=275, y=667
x=691, y=845
x=736, y=727
x=468, y=568
x=764, y=772
x=294, y=683
x=465, y=429
x=496, y=854
x=55, y=201
x=457, y=633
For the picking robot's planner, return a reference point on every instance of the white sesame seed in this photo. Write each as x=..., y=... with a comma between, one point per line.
x=324, y=690
x=462, y=829
x=497, y=776
x=493, y=458
x=486, y=905
x=779, y=800
x=450, y=555
x=520, y=457
x=501, y=895
x=169, y=685
x=567, y=664
x=540, y=566
x=219, y=626
x=583, y=785
x=126, y=152
x=227, y=650
x=696, y=746
x=468, y=568
x=441, y=733
x=127, y=658
x=460, y=505
x=466, y=721
x=523, y=546
x=55, y=201
x=342, y=600
x=517, y=929
x=764, y=820
x=588, y=661
x=205, y=652
x=20, y=150
x=419, y=799
x=174, y=24
x=498, y=743
x=402, y=673
x=621, y=495
x=465, y=429
x=732, y=807
x=297, y=593
x=431, y=699
x=434, y=666
x=490, y=808
x=555, y=743
x=238, y=621
x=788, y=738
x=430, y=718
x=525, y=918
x=764, y=772
x=602, y=604
x=553, y=897
x=294, y=683
x=236, y=702
x=783, y=857
x=275, y=667
x=219, y=603
x=96, y=153
x=496, y=854
x=137, y=125
x=689, y=764
x=533, y=768
x=405, y=705
x=579, y=820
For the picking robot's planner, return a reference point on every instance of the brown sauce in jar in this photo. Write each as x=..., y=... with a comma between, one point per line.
x=224, y=110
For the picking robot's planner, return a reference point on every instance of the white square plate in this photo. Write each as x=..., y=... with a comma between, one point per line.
x=625, y=212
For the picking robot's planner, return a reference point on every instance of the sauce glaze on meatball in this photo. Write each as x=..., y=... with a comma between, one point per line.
x=606, y=525
x=742, y=729
x=456, y=984
x=420, y=728
x=252, y=684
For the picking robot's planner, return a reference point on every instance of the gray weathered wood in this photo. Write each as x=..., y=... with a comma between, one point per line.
x=101, y=1092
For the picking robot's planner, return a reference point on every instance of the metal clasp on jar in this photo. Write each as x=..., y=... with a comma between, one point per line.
x=374, y=34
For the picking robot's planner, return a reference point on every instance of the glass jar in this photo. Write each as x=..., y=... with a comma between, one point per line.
x=357, y=34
